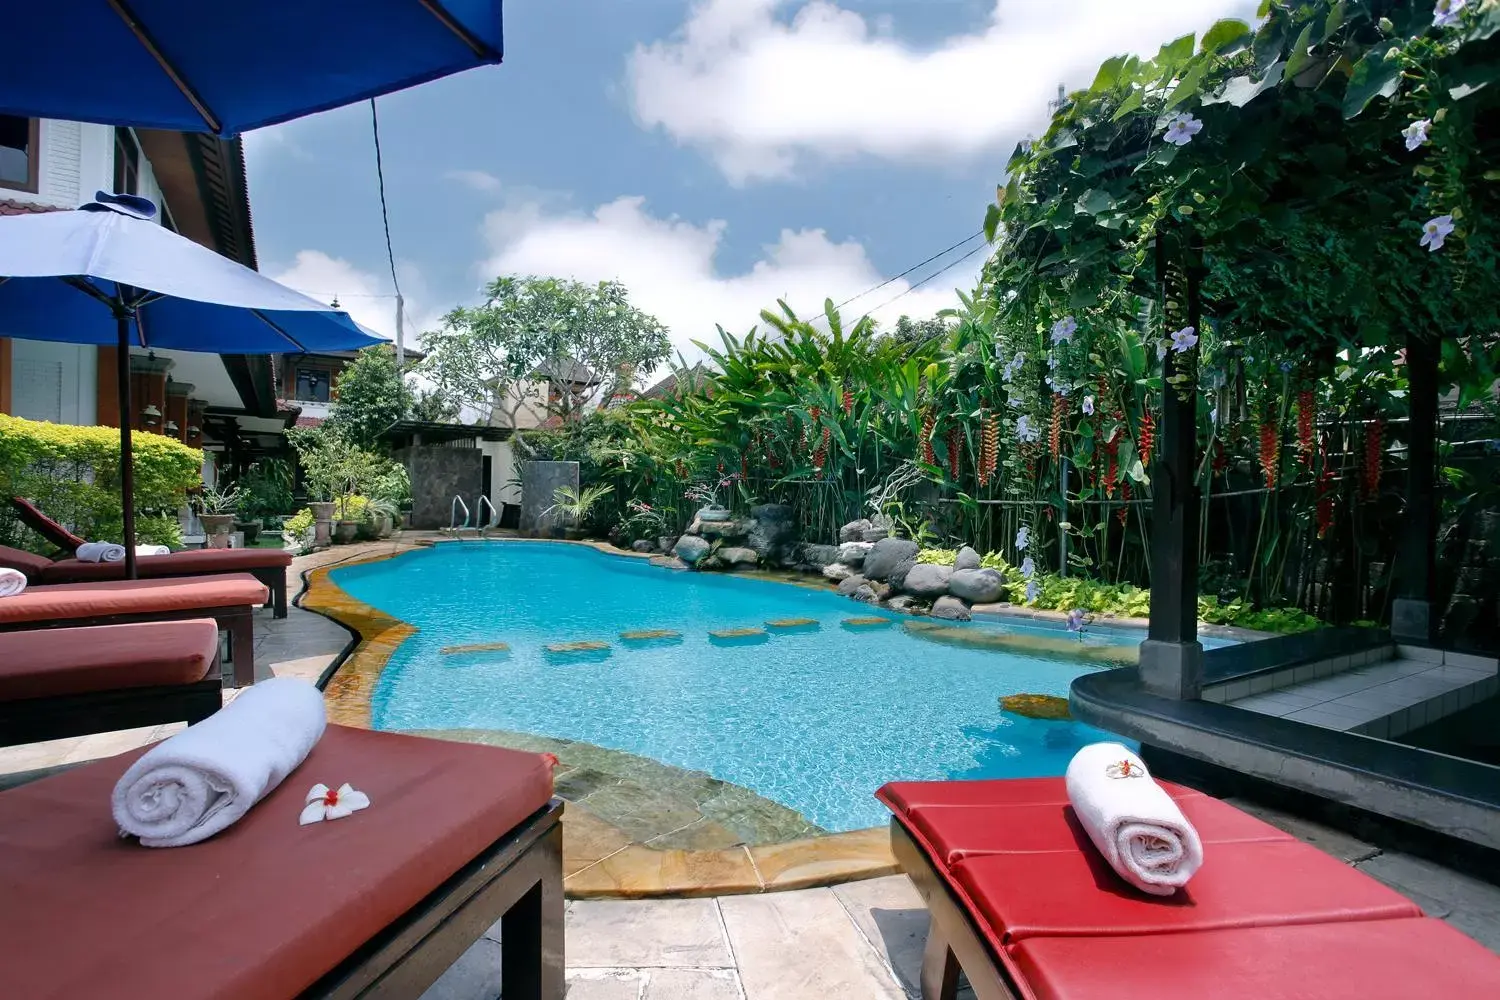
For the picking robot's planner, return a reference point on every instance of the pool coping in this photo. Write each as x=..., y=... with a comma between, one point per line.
x=596, y=866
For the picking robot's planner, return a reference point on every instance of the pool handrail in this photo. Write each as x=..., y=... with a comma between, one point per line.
x=458, y=501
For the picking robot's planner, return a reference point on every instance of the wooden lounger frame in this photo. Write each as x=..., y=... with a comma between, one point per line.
x=238, y=621
x=517, y=881
x=31, y=720
x=953, y=942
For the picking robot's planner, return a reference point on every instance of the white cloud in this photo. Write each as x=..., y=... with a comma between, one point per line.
x=479, y=180
x=669, y=266
x=366, y=297
x=761, y=92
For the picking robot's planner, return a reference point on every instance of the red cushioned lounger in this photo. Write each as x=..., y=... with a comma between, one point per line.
x=1023, y=903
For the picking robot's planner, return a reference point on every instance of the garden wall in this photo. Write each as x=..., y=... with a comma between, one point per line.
x=540, y=482
x=437, y=475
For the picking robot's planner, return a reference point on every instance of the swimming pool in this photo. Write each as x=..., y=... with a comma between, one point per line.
x=815, y=718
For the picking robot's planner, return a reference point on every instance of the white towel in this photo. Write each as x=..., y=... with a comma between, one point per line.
x=100, y=552
x=12, y=581
x=195, y=784
x=1132, y=820
x=152, y=550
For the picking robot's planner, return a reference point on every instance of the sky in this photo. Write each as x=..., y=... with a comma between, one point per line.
x=713, y=155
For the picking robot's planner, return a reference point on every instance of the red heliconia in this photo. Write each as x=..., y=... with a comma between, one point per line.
x=1270, y=452
x=848, y=399
x=929, y=427
x=1059, y=411
x=1145, y=441
x=820, y=456
x=955, y=450
x=989, y=446
x=1124, y=512
x=1221, y=457
x=1111, y=466
x=1325, y=494
x=1374, y=454
x=1307, y=415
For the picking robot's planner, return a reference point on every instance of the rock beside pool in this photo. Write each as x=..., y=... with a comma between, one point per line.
x=926, y=580
x=736, y=555
x=817, y=556
x=967, y=558
x=1036, y=706
x=849, y=584
x=691, y=548
x=889, y=555
x=643, y=545
x=906, y=604
x=866, y=594
x=772, y=531
x=977, y=586
x=723, y=529
x=840, y=572
x=854, y=531
x=669, y=562
x=950, y=609
x=854, y=553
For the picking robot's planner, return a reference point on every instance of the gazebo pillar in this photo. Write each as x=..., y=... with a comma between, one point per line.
x=1171, y=658
x=1412, y=617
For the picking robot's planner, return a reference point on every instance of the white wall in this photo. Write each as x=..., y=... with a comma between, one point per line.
x=56, y=382
x=502, y=469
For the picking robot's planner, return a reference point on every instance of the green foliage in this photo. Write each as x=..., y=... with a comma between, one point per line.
x=73, y=474
x=267, y=486
x=296, y=526
x=369, y=397
x=335, y=468
x=578, y=504
x=159, y=529
x=1242, y=615
x=937, y=557
x=221, y=499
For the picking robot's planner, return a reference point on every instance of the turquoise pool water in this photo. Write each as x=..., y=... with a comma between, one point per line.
x=815, y=720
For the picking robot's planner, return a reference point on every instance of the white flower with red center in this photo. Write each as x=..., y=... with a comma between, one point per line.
x=325, y=803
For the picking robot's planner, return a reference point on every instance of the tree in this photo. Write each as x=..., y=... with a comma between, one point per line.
x=549, y=345
x=371, y=396
x=433, y=407
x=915, y=332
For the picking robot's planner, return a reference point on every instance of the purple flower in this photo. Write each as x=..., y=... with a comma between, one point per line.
x=1028, y=568
x=1181, y=128
x=1032, y=590
x=1445, y=12
x=1435, y=231
x=1417, y=134
x=1213, y=415
x=1075, y=620
x=1162, y=347
x=1060, y=387
x=1088, y=406
x=1024, y=431
x=1023, y=538
x=1184, y=340
x=1063, y=330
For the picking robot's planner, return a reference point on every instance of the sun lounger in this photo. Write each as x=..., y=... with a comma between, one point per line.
x=72, y=682
x=230, y=600
x=1023, y=903
x=379, y=904
x=267, y=565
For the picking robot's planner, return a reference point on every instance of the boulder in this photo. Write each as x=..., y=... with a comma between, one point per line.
x=691, y=548
x=898, y=575
x=713, y=513
x=950, y=609
x=849, y=584
x=724, y=529
x=865, y=595
x=967, y=558
x=818, y=556
x=886, y=555
x=853, y=553
x=873, y=535
x=669, y=562
x=977, y=586
x=738, y=556
x=906, y=604
x=838, y=571
x=643, y=545
x=771, y=531
x=854, y=530
x=666, y=543
x=926, y=580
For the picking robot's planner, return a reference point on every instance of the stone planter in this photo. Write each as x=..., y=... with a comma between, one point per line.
x=217, y=527
x=383, y=526
x=344, y=531
x=322, y=512
x=714, y=514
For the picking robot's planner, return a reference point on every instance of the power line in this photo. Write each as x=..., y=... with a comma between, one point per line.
x=384, y=215
x=934, y=274
x=914, y=267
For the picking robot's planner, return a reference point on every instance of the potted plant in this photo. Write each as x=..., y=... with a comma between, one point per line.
x=707, y=495
x=575, y=505
x=268, y=494
x=216, y=510
x=646, y=521
x=384, y=513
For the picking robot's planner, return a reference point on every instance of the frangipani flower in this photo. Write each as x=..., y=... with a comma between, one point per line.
x=1063, y=330
x=1023, y=538
x=1435, y=231
x=1088, y=406
x=1185, y=339
x=1181, y=128
x=325, y=804
x=1028, y=568
x=1445, y=12
x=1024, y=431
x=1417, y=134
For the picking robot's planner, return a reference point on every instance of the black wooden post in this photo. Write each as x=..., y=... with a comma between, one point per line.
x=1171, y=663
x=1412, y=619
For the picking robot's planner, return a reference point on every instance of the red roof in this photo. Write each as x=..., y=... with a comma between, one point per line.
x=8, y=207
x=310, y=421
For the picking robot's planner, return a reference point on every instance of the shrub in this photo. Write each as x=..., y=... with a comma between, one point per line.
x=73, y=474
x=297, y=525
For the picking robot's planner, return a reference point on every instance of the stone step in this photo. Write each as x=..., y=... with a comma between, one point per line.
x=793, y=624
x=870, y=622
x=738, y=636
x=478, y=647
x=580, y=646
x=651, y=635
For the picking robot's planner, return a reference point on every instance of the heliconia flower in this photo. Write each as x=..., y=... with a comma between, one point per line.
x=325, y=804
x=1088, y=406
x=1063, y=330
x=1032, y=590
x=1023, y=538
x=1028, y=568
x=1445, y=12
x=1181, y=128
x=1184, y=340
x=1435, y=231
x=1025, y=432
x=1417, y=134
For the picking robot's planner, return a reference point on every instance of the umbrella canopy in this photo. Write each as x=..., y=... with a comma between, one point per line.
x=106, y=274
x=225, y=68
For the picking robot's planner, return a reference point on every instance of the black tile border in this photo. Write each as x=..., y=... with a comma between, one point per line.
x=1248, y=659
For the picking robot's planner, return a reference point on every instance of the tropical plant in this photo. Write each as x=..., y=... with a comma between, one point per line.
x=267, y=488
x=218, y=500
x=576, y=504
x=369, y=396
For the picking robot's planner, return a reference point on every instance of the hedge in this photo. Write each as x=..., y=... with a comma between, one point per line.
x=73, y=474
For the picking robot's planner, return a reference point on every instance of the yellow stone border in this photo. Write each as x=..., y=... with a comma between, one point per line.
x=598, y=861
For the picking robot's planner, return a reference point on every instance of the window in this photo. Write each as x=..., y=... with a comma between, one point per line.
x=127, y=162
x=18, y=153
x=312, y=385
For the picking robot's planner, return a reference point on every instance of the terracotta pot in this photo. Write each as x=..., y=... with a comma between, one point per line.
x=344, y=531
x=217, y=528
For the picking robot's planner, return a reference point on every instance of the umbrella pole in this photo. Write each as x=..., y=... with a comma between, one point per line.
x=127, y=457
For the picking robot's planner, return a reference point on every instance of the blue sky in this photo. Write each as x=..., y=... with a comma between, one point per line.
x=712, y=155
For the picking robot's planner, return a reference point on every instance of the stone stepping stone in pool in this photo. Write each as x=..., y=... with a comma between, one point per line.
x=793, y=625
x=591, y=648
x=871, y=622
x=478, y=647
x=738, y=636
x=661, y=635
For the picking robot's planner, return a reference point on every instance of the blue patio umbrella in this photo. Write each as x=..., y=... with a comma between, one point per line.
x=107, y=274
x=227, y=67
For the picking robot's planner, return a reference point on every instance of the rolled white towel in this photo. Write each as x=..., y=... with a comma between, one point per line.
x=100, y=552
x=1132, y=820
x=12, y=581
x=205, y=778
x=152, y=550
